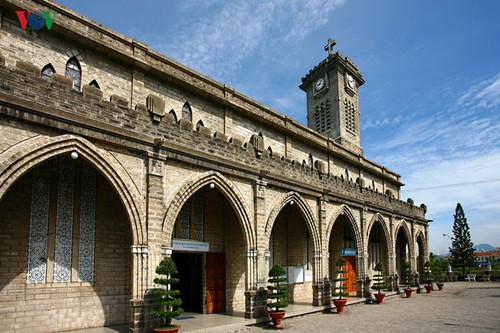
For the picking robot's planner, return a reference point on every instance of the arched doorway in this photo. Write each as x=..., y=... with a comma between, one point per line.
x=211, y=262
x=343, y=243
x=377, y=247
x=291, y=245
x=420, y=254
x=402, y=250
x=66, y=229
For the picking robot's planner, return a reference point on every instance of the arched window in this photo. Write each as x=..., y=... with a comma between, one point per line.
x=47, y=72
x=269, y=151
x=94, y=84
x=74, y=71
x=172, y=113
x=199, y=124
x=186, y=112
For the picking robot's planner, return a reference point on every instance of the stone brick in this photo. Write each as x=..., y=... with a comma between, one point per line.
x=138, y=201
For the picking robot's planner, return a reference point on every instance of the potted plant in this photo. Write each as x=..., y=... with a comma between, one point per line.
x=167, y=302
x=379, y=283
x=406, y=278
x=277, y=295
x=340, y=287
x=428, y=277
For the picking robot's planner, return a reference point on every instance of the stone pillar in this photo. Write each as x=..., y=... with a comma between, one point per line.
x=258, y=259
x=362, y=256
x=321, y=285
x=140, y=285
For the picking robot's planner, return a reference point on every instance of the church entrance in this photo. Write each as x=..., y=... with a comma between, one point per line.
x=351, y=273
x=189, y=266
x=216, y=283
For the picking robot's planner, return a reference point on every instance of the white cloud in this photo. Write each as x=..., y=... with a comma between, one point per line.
x=484, y=94
x=232, y=31
x=457, y=145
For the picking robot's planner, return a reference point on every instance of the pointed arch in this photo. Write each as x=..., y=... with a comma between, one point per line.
x=47, y=72
x=187, y=113
x=195, y=182
x=406, y=228
x=270, y=151
x=199, y=124
x=94, y=84
x=379, y=251
x=174, y=115
x=346, y=211
x=74, y=71
x=422, y=250
x=304, y=209
x=25, y=155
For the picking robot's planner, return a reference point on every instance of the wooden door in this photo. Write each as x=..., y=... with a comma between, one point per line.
x=216, y=282
x=351, y=273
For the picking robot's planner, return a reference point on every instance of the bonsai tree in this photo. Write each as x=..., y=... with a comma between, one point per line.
x=167, y=303
x=340, y=288
x=278, y=294
x=407, y=278
x=379, y=282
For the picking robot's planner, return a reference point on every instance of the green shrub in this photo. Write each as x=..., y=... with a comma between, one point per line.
x=340, y=290
x=167, y=303
x=379, y=279
x=278, y=295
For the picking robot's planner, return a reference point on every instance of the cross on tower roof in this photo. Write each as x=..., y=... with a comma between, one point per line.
x=330, y=45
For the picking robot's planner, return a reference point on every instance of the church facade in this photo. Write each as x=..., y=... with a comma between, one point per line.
x=113, y=156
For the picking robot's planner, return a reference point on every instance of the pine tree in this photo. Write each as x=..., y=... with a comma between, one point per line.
x=461, y=250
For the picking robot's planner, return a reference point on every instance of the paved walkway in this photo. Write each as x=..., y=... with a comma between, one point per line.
x=459, y=307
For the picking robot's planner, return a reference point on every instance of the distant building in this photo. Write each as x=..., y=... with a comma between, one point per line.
x=113, y=156
x=483, y=258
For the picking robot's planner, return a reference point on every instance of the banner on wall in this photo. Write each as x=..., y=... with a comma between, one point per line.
x=348, y=252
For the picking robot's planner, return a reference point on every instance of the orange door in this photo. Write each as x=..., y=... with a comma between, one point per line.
x=216, y=283
x=351, y=273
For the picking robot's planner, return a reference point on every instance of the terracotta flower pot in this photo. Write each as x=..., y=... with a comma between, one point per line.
x=277, y=318
x=340, y=305
x=408, y=292
x=380, y=298
x=172, y=329
x=428, y=288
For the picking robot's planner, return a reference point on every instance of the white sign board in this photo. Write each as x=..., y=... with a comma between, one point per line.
x=189, y=245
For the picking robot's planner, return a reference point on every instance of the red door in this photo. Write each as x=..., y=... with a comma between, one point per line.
x=216, y=282
x=351, y=273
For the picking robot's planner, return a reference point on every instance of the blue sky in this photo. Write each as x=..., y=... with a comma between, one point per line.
x=430, y=107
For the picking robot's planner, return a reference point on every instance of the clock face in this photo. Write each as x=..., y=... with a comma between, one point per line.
x=350, y=81
x=319, y=84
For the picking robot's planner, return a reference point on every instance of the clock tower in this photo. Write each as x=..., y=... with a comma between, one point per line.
x=333, y=100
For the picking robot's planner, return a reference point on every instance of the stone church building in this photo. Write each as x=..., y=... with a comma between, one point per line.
x=113, y=156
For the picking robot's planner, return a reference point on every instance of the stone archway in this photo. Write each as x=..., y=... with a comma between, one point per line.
x=344, y=239
x=72, y=211
x=293, y=240
x=403, y=248
x=20, y=158
x=208, y=208
x=379, y=243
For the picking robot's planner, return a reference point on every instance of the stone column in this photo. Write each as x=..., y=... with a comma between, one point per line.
x=147, y=257
x=258, y=259
x=321, y=296
x=140, y=278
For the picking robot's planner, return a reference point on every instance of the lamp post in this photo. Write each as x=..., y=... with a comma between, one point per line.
x=449, y=266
